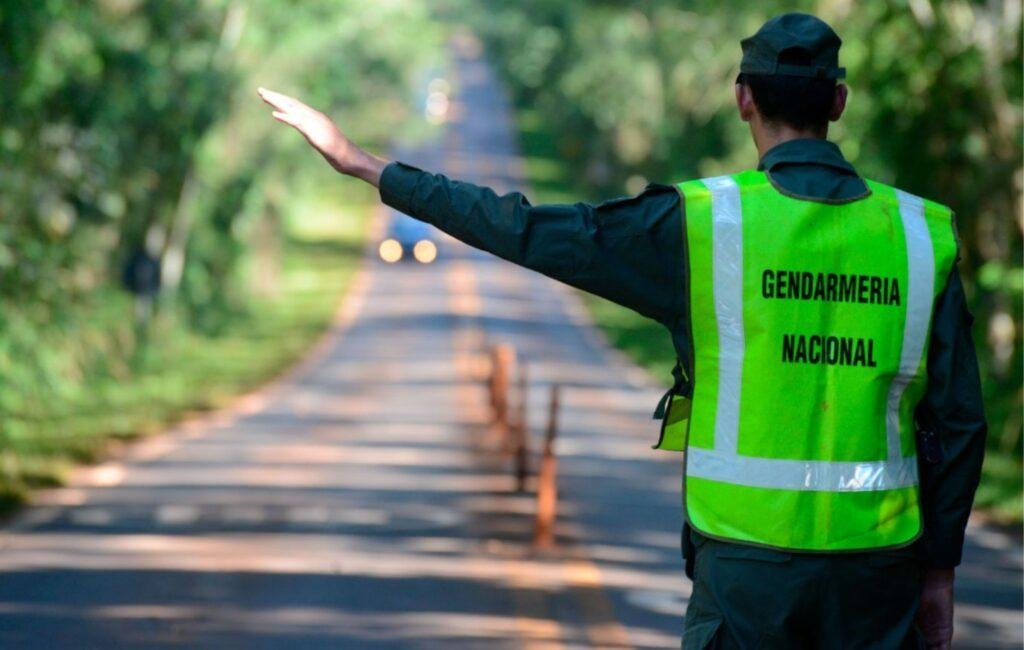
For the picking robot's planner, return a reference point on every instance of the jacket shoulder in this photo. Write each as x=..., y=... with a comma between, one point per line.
x=699, y=187
x=896, y=195
x=940, y=218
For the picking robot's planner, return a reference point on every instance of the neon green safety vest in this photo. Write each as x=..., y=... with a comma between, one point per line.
x=810, y=325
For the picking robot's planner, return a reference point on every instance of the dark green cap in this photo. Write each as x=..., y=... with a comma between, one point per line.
x=788, y=32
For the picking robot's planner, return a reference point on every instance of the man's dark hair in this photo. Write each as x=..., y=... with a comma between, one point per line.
x=800, y=102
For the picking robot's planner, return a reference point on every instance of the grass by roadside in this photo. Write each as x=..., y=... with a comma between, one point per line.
x=999, y=496
x=182, y=370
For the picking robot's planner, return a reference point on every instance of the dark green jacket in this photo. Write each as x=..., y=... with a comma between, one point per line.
x=631, y=251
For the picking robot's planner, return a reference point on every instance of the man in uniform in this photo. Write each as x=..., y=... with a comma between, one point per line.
x=827, y=391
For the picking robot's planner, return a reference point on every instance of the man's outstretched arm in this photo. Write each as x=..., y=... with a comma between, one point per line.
x=629, y=250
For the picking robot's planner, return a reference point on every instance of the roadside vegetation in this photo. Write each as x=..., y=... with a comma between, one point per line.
x=145, y=386
x=611, y=95
x=133, y=125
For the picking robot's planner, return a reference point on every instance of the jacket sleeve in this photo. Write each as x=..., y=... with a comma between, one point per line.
x=952, y=409
x=626, y=250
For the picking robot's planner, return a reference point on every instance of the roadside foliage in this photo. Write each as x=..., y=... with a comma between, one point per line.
x=131, y=125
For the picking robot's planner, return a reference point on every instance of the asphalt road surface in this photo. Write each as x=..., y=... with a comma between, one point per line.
x=362, y=501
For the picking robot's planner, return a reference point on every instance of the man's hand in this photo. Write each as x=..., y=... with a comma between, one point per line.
x=935, y=616
x=321, y=132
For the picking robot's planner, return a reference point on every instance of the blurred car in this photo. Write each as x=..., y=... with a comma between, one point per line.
x=408, y=239
x=437, y=102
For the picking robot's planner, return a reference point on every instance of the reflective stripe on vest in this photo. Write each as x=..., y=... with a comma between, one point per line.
x=742, y=479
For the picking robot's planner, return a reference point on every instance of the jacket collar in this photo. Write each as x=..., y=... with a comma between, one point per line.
x=806, y=151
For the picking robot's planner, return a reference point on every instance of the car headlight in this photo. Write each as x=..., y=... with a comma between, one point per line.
x=424, y=251
x=390, y=251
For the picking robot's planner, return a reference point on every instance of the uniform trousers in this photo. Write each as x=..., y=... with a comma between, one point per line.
x=749, y=597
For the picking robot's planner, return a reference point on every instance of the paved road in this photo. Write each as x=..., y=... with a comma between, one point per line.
x=361, y=502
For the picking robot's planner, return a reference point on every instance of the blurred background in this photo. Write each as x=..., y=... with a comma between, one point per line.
x=165, y=245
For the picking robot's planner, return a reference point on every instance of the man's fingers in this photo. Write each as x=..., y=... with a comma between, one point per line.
x=285, y=108
x=265, y=95
x=279, y=101
x=270, y=96
x=286, y=118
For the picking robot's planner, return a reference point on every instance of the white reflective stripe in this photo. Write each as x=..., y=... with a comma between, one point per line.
x=918, y=300
x=783, y=474
x=727, y=272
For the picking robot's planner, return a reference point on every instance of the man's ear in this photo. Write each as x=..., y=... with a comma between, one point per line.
x=838, y=102
x=745, y=102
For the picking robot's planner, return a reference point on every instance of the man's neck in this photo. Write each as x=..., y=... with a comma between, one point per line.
x=767, y=137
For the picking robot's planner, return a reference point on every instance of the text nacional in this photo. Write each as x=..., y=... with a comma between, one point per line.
x=827, y=349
